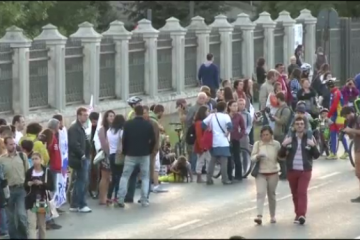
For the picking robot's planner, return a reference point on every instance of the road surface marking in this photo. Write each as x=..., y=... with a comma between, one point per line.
x=329, y=175
x=184, y=224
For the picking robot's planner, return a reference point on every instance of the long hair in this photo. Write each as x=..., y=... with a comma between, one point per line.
x=118, y=123
x=201, y=113
x=228, y=94
x=46, y=136
x=246, y=87
x=182, y=171
x=105, y=122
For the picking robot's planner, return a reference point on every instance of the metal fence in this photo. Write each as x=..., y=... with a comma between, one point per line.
x=279, y=43
x=190, y=59
x=215, y=46
x=6, y=82
x=164, y=59
x=341, y=46
x=38, y=71
x=258, y=43
x=107, y=69
x=74, y=72
x=237, y=54
x=136, y=66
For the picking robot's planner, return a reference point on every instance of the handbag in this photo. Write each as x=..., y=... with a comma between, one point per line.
x=256, y=167
x=99, y=157
x=50, y=200
x=207, y=137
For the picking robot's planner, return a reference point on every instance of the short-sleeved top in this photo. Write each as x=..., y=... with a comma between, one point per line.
x=219, y=126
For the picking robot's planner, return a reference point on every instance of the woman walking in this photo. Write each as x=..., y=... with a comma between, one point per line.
x=104, y=165
x=265, y=153
x=114, y=135
x=38, y=180
x=203, y=155
x=236, y=134
x=220, y=125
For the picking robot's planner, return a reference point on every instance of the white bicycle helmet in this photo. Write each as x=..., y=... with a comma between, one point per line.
x=133, y=100
x=305, y=67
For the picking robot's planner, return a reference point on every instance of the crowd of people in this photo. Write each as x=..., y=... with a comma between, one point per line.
x=135, y=150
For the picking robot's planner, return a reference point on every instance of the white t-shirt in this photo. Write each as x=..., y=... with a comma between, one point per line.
x=219, y=137
x=18, y=136
x=113, y=139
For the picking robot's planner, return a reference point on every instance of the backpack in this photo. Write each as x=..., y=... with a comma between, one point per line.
x=191, y=135
x=287, y=126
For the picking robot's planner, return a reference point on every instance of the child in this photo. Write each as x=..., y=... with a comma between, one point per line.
x=166, y=155
x=301, y=112
x=27, y=147
x=325, y=123
x=179, y=171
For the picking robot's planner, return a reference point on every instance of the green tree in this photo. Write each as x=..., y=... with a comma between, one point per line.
x=344, y=8
x=162, y=10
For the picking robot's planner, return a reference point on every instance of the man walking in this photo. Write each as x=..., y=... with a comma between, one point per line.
x=299, y=162
x=79, y=160
x=354, y=132
x=208, y=75
x=138, y=143
x=15, y=165
x=281, y=119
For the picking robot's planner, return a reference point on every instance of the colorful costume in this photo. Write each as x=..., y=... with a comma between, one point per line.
x=336, y=104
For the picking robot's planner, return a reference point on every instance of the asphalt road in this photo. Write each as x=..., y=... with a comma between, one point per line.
x=192, y=210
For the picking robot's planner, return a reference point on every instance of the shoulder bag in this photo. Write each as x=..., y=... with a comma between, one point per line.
x=221, y=127
x=207, y=137
x=50, y=199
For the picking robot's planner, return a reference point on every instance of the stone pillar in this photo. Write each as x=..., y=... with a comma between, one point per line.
x=121, y=38
x=289, y=40
x=56, y=65
x=310, y=34
x=225, y=30
x=20, y=44
x=177, y=34
x=150, y=35
x=90, y=41
x=247, y=27
x=202, y=32
x=269, y=47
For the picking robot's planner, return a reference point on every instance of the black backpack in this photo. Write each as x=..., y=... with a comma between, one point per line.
x=191, y=135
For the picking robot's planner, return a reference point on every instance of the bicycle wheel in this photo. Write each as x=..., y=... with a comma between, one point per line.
x=246, y=163
x=352, y=153
x=177, y=149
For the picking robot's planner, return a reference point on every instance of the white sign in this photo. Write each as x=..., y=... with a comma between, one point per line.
x=298, y=35
x=60, y=194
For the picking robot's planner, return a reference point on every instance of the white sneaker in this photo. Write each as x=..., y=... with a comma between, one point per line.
x=73, y=209
x=85, y=209
x=158, y=189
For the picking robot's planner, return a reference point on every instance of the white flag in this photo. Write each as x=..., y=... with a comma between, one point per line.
x=96, y=135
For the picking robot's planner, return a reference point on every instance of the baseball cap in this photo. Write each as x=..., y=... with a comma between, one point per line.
x=180, y=102
x=300, y=109
x=324, y=110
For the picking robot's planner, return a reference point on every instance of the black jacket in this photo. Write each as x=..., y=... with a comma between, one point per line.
x=78, y=144
x=32, y=191
x=307, y=155
x=138, y=137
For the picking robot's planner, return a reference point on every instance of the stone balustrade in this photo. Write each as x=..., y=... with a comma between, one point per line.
x=54, y=74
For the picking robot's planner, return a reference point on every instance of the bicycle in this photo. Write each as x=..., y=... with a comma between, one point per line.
x=246, y=165
x=179, y=146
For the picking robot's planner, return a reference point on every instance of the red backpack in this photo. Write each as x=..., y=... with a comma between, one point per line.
x=207, y=137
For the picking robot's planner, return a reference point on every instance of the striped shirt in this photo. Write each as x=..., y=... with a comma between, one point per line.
x=298, y=161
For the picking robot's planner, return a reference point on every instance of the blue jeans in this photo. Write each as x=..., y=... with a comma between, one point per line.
x=130, y=164
x=3, y=223
x=16, y=213
x=78, y=198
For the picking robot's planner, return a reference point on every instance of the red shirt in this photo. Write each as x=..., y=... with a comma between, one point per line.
x=198, y=133
x=55, y=155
